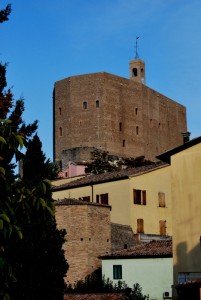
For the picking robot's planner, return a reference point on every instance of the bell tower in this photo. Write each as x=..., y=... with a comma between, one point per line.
x=137, y=70
x=137, y=66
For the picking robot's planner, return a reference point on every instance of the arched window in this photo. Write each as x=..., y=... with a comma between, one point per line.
x=135, y=72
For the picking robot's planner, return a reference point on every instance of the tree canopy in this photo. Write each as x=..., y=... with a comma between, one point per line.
x=102, y=162
x=32, y=262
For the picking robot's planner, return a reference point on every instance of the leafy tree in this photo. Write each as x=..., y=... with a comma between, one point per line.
x=132, y=162
x=4, y=13
x=102, y=162
x=35, y=164
x=40, y=251
x=94, y=283
x=27, y=222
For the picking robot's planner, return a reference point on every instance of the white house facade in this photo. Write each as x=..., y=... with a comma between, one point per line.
x=150, y=265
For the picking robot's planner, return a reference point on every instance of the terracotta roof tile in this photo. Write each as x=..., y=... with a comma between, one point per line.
x=110, y=176
x=73, y=201
x=154, y=248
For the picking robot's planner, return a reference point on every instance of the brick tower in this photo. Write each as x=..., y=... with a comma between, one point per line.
x=119, y=115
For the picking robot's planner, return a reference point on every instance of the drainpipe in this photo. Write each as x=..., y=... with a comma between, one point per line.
x=92, y=193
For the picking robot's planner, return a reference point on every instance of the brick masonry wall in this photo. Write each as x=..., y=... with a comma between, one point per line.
x=151, y=123
x=88, y=236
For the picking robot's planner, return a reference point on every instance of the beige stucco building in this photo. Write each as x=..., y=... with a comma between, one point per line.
x=138, y=197
x=148, y=264
x=185, y=176
x=156, y=199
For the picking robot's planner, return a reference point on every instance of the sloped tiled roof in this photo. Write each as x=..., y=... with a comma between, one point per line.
x=98, y=296
x=110, y=176
x=154, y=248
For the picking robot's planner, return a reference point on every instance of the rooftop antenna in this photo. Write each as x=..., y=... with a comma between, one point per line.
x=136, y=52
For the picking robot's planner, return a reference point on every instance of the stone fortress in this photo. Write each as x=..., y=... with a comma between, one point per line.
x=128, y=119
x=119, y=115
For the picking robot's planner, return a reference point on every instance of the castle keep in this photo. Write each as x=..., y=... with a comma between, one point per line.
x=115, y=114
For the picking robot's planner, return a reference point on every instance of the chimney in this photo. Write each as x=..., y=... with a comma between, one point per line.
x=186, y=136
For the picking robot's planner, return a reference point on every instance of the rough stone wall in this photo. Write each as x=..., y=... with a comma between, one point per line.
x=88, y=236
x=76, y=155
x=131, y=120
x=122, y=237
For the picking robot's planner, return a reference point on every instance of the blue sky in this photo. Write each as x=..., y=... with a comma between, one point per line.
x=48, y=40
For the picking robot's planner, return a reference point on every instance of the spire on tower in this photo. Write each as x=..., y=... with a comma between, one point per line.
x=136, y=50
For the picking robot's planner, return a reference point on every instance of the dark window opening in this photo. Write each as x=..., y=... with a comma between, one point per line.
x=120, y=126
x=144, y=199
x=97, y=198
x=60, y=131
x=104, y=198
x=87, y=198
x=97, y=104
x=137, y=130
x=124, y=143
x=139, y=197
x=60, y=111
x=85, y=105
x=135, y=72
x=136, y=110
x=117, y=271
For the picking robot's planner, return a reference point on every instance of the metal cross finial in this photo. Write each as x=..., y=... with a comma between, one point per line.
x=136, y=52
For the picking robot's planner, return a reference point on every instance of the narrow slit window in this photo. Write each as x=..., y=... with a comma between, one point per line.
x=97, y=103
x=60, y=111
x=136, y=110
x=124, y=143
x=85, y=105
x=97, y=198
x=120, y=126
x=137, y=130
x=60, y=131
